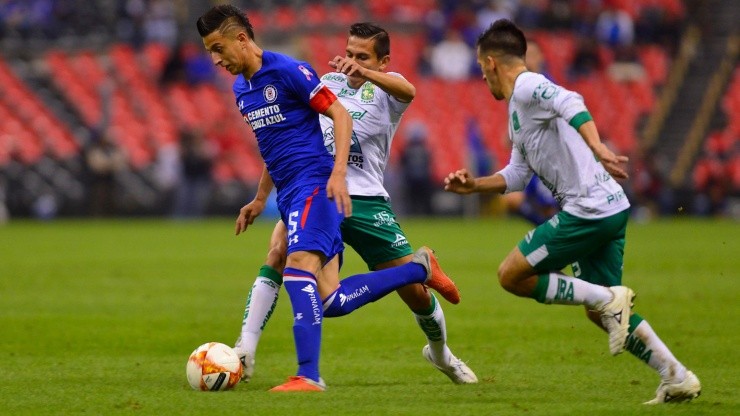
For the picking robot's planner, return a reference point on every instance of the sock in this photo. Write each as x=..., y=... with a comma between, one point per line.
x=307, y=313
x=361, y=289
x=260, y=304
x=432, y=323
x=645, y=344
x=565, y=290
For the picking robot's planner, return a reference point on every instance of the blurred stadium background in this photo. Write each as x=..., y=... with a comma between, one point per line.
x=111, y=107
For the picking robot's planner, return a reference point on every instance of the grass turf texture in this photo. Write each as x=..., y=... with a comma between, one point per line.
x=99, y=318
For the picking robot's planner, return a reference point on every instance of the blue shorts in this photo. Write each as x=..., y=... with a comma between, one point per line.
x=312, y=221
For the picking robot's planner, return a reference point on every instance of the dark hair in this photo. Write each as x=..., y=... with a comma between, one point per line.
x=504, y=37
x=224, y=18
x=367, y=30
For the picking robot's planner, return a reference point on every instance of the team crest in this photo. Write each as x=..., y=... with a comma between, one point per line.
x=270, y=93
x=368, y=93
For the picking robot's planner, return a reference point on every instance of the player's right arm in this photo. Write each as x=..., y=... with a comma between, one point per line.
x=248, y=213
x=514, y=177
x=396, y=86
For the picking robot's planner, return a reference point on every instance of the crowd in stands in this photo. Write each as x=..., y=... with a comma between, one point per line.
x=172, y=112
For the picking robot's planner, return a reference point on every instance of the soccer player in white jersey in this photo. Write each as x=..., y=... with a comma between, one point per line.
x=555, y=137
x=375, y=100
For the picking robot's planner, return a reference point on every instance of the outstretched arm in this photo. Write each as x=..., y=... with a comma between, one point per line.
x=461, y=182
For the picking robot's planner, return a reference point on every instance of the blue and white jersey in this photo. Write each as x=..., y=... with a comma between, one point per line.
x=282, y=102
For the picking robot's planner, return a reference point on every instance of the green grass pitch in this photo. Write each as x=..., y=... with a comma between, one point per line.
x=99, y=317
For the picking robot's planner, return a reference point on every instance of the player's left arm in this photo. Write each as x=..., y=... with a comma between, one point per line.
x=611, y=161
x=396, y=86
x=336, y=188
x=571, y=106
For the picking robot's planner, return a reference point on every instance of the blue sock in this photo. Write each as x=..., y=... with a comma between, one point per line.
x=307, y=317
x=361, y=289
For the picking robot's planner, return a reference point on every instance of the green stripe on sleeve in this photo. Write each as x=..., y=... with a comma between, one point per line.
x=580, y=118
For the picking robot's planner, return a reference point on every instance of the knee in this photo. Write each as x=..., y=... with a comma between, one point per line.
x=505, y=278
x=276, y=257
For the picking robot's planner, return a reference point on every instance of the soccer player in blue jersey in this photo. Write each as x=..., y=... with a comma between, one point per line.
x=377, y=100
x=281, y=99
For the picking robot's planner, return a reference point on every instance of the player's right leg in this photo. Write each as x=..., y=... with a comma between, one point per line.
x=261, y=301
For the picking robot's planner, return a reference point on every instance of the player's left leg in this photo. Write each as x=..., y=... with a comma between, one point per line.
x=677, y=384
x=532, y=270
x=376, y=236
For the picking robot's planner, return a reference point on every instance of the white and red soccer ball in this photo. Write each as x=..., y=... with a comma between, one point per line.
x=213, y=367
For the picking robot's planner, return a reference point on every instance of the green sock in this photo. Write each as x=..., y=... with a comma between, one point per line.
x=272, y=274
x=540, y=291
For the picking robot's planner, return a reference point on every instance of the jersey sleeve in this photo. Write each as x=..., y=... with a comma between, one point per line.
x=396, y=107
x=308, y=86
x=517, y=173
x=550, y=100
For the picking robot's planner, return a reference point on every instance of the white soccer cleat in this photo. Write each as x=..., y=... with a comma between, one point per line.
x=615, y=316
x=456, y=369
x=688, y=389
x=247, y=361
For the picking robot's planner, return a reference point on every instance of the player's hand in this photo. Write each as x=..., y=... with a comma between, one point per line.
x=336, y=189
x=460, y=182
x=247, y=214
x=612, y=163
x=347, y=66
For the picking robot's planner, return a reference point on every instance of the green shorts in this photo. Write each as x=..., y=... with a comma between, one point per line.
x=594, y=248
x=372, y=231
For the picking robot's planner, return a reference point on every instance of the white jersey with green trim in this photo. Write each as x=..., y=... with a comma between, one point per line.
x=375, y=119
x=545, y=142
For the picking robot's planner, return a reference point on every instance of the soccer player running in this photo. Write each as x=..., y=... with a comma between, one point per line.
x=281, y=99
x=376, y=100
x=555, y=137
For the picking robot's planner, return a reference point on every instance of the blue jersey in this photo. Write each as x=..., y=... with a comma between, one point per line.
x=282, y=102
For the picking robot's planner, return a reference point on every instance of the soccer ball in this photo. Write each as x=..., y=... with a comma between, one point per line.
x=213, y=366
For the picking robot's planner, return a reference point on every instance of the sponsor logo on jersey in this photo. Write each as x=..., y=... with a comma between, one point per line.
x=264, y=116
x=270, y=93
x=345, y=92
x=306, y=72
x=355, y=157
x=333, y=77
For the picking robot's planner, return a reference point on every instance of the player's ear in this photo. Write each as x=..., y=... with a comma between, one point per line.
x=384, y=61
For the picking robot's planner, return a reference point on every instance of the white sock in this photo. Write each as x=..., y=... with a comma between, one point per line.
x=645, y=344
x=435, y=330
x=260, y=303
x=567, y=290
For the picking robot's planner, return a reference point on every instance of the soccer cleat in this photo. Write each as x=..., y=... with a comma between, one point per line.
x=436, y=277
x=456, y=369
x=615, y=316
x=247, y=364
x=689, y=388
x=300, y=383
